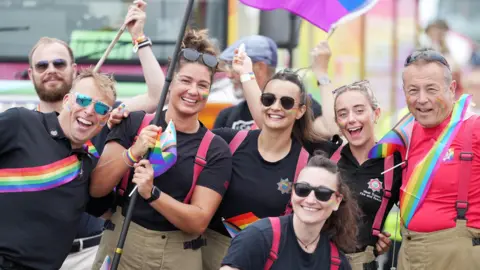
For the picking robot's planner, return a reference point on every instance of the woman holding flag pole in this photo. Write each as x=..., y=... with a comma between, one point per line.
x=185, y=178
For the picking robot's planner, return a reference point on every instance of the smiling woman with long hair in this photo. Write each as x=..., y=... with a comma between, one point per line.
x=323, y=221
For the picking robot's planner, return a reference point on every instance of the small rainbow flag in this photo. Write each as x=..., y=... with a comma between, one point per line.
x=107, y=264
x=397, y=139
x=231, y=228
x=39, y=178
x=164, y=154
x=243, y=220
x=90, y=148
x=420, y=180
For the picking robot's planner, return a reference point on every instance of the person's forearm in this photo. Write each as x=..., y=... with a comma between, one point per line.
x=154, y=78
x=326, y=124
x=186, y=217
x=252, y=93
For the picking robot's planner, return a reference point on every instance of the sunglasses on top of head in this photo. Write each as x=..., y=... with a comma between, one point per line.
x=194, y=55
x=85, y=101
x=42, y=65
x=268, y=99
x=427, y=55
x=322, y=193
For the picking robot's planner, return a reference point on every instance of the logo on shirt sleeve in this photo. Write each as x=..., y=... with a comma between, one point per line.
x=284, y=186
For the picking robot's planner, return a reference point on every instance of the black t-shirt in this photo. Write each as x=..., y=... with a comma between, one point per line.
x=177, y=181
x=258, y=188
x=366, y=184
x=38, y=225
x=250, y=249
x=239, y=116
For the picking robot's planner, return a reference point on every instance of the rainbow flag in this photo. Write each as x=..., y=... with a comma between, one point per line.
x=90, y=148
x=231, y=228
x=164, y=155
x=39, y=178
x=243, y=220
x=107, y=264
x=325, y=14
x=397, y=139
x=420, y=180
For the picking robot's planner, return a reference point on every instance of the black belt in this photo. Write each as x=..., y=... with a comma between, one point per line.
x=370, y=266
x=6, y=264
x=83, y=243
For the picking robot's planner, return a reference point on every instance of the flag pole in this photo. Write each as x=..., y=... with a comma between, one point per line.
x=156, y=120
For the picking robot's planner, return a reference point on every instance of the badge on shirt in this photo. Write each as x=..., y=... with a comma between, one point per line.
x=284, y=186
x=449, y=155
x=375, y=185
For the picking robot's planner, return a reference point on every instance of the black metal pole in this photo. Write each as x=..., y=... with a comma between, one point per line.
x=156, y=120
x=291, y=42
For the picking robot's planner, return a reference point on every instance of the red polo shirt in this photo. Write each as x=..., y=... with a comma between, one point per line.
x=438, y=209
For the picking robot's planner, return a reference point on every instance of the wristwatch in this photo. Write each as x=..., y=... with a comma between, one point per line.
x=155, y=194
x=323, y=80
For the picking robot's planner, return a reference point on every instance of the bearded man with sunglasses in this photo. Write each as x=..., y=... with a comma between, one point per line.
x=45, y=169
x=440, y=193
x=52, y=70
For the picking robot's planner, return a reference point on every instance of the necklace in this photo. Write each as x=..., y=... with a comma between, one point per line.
x=306, y=245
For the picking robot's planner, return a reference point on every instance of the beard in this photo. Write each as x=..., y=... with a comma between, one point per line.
x=55, y=94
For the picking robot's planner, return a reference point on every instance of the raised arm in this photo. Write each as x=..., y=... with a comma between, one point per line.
x=152, y=71
x=324, y=124
x=212, y=183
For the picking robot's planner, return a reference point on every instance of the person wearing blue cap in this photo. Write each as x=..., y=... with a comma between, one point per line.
x=263, y=52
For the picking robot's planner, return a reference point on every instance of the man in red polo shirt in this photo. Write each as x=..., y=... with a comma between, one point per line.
x=440, y=193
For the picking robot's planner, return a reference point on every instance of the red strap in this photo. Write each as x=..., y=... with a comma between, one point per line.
x=147, y=118
x=237, y=140
x=465, y=169
x=277, y=233
x=254, y=126
x=301, y=163
x=200, y=161
x=335, y=260
x=387, y=193
x=336, y=156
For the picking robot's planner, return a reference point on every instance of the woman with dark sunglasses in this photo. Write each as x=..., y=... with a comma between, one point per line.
x=166, y=224
x=323, y=221
x=356, y=113
x=266, y=161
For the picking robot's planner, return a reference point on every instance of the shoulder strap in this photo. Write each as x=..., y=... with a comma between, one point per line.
x=147, y=118
x=301, y=163
x=277, y=233
x=388, y=163
x=200, y=161
x=335, y=260
x=465, y=169
x=237, y=140
x=336, y=156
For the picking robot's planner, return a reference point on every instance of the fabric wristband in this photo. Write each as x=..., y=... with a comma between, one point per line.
x=247, y=77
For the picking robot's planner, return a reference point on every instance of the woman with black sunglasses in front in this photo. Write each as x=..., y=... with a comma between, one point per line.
x=166, y=227
x=266, y=161
x=323, y=221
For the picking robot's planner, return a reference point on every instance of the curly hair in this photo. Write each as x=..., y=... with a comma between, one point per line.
x=341, y=226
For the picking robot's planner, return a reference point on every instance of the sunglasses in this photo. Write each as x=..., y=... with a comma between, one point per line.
x=42, y=65
x=85, y=101
x=322, y=193
x=268, y=99
x=193, y=56
x=428, y=55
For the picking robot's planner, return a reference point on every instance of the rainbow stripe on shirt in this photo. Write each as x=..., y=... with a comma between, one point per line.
x=39, y=178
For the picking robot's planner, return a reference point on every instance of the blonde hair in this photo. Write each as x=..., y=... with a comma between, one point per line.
x=49, y=40
x=104, y=81
x=360, y=86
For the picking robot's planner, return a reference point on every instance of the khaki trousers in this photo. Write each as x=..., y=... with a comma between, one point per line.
x=446, y=249
x=357, y=260
x=146, y=249
x=215, y=250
